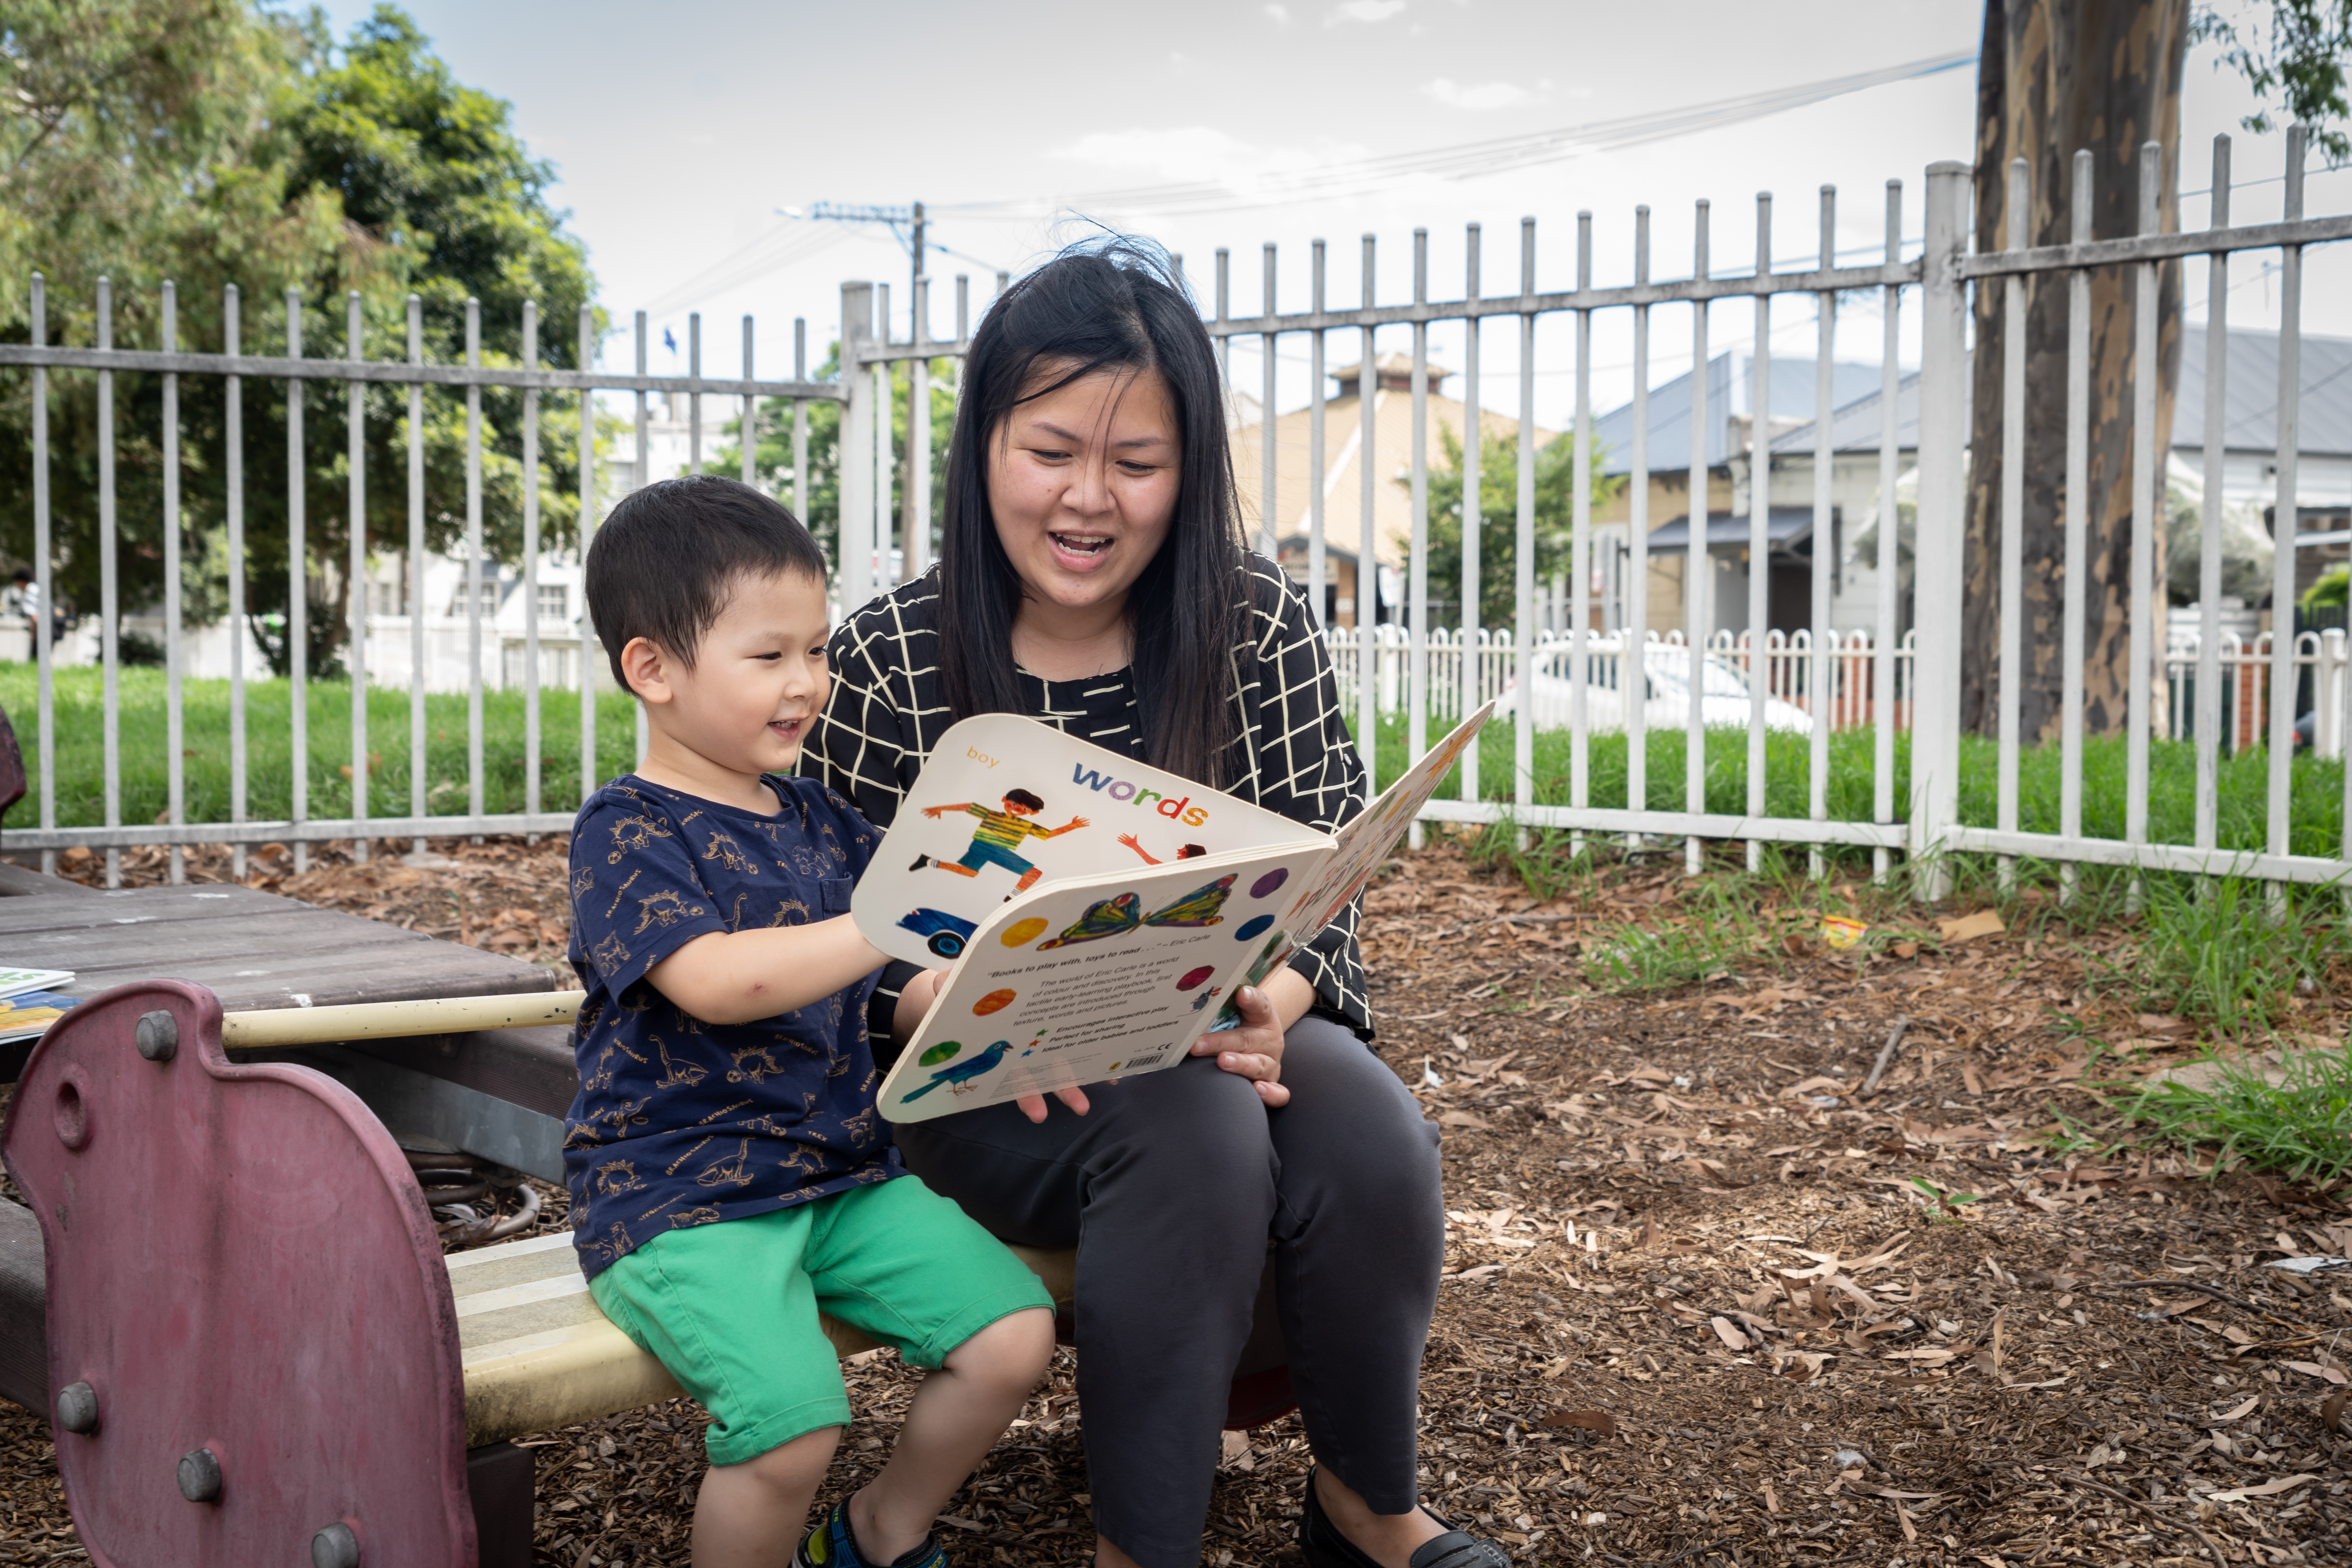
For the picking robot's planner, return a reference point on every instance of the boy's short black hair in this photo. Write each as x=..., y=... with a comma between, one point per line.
x=663, y=561
x=1022, y=797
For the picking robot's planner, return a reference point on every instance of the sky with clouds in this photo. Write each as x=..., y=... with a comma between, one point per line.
x=679, y=128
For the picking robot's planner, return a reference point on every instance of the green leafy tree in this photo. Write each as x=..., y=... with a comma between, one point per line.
x=1498, y=516
x=368, y=171
x=143, y=140
x=2293, y=58
x=772, y=459
x=445, y=201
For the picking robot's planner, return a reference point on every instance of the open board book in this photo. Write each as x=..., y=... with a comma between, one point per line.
x=1099, y=914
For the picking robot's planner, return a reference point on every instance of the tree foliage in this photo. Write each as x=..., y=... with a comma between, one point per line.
x=2292, y=53
x=772, y=460
x=1498, y=515
x=236, y=147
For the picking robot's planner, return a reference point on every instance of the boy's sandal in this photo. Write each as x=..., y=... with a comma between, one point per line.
x=1325, y=1547
x=833, y=1545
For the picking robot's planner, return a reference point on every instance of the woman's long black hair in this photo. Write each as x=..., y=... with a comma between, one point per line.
x=1114, y=306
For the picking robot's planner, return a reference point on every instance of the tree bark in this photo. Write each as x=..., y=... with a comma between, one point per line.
x=2054, y=76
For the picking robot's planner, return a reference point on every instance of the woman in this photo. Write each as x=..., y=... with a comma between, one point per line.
x=1091, y=575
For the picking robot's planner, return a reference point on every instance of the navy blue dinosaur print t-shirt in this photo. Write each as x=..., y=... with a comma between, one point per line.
x=679, y=1122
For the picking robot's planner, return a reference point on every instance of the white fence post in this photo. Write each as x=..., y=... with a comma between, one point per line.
x=1943, y=438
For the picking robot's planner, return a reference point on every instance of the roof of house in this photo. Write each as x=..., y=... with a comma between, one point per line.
x=1730, y=383
x=1783, y=525
x=1342, y=478
x=2249, y=411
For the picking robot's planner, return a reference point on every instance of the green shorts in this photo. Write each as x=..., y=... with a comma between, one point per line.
x=730, y=1308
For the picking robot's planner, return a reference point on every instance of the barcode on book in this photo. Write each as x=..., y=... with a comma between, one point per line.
x=1153, y=1060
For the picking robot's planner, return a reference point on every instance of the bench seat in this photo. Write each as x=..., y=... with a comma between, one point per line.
x=538, y=1354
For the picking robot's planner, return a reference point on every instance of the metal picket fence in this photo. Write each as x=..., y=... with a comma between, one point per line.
x=1429, y=673
x=105, y=360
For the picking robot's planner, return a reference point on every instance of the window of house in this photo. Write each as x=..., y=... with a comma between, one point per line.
x=554, y=601
x=489, y=596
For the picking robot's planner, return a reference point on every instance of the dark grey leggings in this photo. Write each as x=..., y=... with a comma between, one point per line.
x=1169, y=1189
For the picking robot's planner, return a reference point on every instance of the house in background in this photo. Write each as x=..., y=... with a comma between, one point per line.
x=2249, y=475
x=1341, y=481
x=1731, y=396
x=2249, y=462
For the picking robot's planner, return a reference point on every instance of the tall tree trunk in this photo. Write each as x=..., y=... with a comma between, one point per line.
x=2054, y=76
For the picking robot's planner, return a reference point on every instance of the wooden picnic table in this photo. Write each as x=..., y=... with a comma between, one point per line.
x=254, y=950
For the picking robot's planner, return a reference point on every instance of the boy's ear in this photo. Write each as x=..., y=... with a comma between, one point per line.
x=647, y=670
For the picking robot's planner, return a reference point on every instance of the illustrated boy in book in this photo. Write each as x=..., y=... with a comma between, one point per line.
x=728, y=1172
x=997, y=840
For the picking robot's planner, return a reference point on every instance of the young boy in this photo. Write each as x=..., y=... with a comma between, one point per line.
x=729, y=1175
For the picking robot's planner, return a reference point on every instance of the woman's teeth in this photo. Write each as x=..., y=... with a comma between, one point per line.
x=1080, y=543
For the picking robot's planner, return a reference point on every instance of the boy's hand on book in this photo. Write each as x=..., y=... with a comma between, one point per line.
x=914, y=1001
x=1254, y=1049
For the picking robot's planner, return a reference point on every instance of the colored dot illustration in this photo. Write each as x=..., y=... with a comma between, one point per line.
x=1253, y=927
x=1194, y=977
x=1020, y=933
x=1269, y=882
x=944, y=1051
x=994, y=1001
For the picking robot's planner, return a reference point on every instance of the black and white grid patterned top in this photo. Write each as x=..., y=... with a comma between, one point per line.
x=890, y=708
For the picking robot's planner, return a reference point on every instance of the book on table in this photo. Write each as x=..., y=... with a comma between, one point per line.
x=1099, y=914
x=15, y=982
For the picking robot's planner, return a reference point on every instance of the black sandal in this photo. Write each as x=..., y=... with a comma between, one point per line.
x=1325, y=1547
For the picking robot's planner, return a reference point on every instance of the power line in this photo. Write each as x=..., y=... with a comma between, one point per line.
x=1465, y=161
x=1462, y=161
x=757, y=260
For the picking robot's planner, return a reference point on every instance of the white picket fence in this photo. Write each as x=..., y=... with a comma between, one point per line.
x=1844, y=697
x=2322, y=662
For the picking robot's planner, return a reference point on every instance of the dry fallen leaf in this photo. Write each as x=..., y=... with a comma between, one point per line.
x=1732, y=1338
x=2331, y=1410
x=2268, y=1489
x=1599, y=1421
x=1463, y=1119
x=1967, y=928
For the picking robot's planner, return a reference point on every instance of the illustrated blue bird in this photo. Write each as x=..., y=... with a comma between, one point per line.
x=961, y=1072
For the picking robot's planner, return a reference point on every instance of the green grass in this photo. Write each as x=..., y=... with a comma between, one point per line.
x=2317, y=797
x=270, y=752
x=2301, y=1127
x=2318, y=784
x=2212, y=955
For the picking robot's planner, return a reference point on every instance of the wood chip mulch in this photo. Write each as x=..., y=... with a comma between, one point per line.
x=1705, y=1302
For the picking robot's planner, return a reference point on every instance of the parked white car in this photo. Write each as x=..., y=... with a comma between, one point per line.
x=1723, y=696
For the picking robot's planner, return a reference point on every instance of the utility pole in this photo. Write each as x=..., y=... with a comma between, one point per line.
x=916, y=248
x=914, y=497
